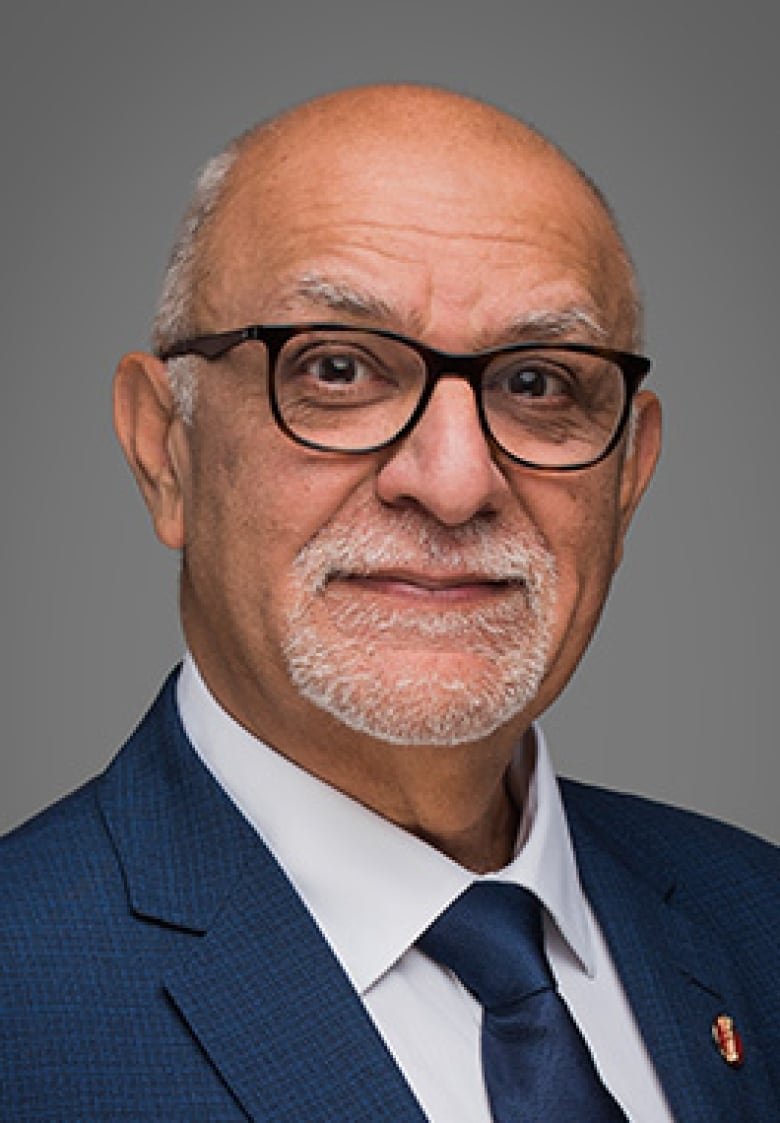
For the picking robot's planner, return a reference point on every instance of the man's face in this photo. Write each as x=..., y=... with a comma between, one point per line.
x=433, y=592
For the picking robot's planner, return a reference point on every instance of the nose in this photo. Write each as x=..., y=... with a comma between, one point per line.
x=445, y=465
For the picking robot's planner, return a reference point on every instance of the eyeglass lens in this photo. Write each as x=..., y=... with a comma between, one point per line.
x=355, y=391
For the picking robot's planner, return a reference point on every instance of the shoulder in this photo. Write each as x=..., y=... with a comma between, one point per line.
x=53, y=868
x=640, y=817
x=70, y=839
x=60, y=870
x=47, y=840
x=713, y=860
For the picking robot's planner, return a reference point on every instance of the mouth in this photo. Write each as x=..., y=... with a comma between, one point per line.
x=420, y=586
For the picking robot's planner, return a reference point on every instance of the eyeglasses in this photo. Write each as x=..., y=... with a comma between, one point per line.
x=336, y=388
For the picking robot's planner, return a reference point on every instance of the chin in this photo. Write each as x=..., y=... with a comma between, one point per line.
x=417, y=697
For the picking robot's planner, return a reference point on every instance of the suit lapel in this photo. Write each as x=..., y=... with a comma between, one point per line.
x=278, y=1017
x=678, y=980
x=257, y=985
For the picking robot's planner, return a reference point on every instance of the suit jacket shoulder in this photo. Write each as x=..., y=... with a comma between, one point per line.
x=721, y=876
x=662, y=842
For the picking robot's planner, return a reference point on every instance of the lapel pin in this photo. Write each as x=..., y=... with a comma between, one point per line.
x=728, y=1041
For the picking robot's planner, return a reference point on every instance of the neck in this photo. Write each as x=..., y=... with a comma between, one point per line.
x=454, y=797
x=486, y=845
x=461, y=803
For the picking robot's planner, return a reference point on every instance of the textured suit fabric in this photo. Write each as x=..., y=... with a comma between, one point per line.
x=157, y=964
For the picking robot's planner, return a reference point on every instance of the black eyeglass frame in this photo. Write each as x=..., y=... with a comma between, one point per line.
x=438, y=364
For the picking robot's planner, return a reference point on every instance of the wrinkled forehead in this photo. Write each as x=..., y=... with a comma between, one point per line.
x=475, y=213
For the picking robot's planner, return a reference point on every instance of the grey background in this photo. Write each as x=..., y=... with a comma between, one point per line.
x=108, y=109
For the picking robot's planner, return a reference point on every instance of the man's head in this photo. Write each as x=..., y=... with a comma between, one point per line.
x=434, y=590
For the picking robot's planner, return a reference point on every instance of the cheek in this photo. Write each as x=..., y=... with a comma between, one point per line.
x=256, y=500
x=227, y=511
x=579, y=519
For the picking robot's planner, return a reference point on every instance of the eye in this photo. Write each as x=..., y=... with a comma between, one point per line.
x=534, y=379
x=334, y=373
x=337, y=369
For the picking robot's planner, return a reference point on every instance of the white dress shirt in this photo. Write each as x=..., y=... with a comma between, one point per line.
x=374, y=888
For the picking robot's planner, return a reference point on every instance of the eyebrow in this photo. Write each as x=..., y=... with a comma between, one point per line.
x=541, y=324
x=544, y=325
x=339, y=297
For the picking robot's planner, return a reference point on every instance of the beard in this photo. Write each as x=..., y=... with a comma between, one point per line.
x=442, y=675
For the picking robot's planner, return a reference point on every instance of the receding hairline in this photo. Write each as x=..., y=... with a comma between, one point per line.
x=364, y=111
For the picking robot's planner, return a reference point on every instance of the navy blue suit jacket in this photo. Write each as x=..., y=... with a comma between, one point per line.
x=157, y=964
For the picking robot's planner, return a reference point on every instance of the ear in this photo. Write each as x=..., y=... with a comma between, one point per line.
x=153, y=441
x=641, y=457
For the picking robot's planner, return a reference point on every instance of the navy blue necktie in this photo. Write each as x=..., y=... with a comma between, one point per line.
x=536, y=1065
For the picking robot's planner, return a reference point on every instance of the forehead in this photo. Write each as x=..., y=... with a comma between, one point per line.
x=483, y=230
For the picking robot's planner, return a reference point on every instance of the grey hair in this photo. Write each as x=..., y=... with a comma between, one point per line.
x=175, y=316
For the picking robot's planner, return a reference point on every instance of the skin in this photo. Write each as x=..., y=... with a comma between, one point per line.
x=453, y=221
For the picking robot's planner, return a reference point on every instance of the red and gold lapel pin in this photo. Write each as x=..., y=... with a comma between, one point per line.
x=728, y=1041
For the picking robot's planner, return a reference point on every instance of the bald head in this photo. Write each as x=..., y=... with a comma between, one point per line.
x=392, y=113
x=419, y=148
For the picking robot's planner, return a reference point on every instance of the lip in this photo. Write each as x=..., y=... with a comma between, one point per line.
x=422, y=585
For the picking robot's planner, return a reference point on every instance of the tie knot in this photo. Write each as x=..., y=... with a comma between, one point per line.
x=491, y=937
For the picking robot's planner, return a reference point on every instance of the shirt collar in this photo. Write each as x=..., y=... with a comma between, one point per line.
x=372, y=887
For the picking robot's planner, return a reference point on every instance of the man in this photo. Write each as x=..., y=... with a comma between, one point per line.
x=394, y=424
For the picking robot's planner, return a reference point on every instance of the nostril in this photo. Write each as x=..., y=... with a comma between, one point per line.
x=446, y=464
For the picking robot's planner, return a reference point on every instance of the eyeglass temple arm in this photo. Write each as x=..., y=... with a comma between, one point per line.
x=207, y=346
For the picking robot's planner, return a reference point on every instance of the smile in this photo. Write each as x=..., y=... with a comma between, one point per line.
x=420, y=586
